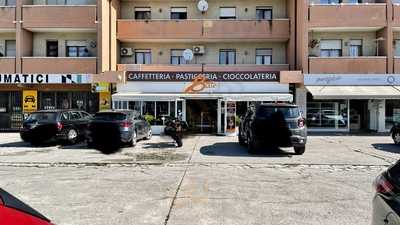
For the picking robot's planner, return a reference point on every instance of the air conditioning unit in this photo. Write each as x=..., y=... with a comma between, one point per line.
x=126, y=52
x=198, y=50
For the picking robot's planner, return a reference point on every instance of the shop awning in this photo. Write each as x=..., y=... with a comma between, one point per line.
x=135, y=96
x=354, y=92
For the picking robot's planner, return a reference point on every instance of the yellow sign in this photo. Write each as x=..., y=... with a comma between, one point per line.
x=104, y=100
x=29, y=100
x=101, y=87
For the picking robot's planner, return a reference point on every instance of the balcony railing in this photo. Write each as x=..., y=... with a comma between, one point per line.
x=85, y=65
x=347, y=15
x=348, y=65
x=7, y=64
x=7, y=17
x=59, y=16
x=202, y=68
x=202, y=29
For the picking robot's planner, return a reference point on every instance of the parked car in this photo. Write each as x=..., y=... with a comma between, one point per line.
x=395, y=133
x=386, y=205
x=14, y=212
x=127, y=124
x=61, y=125
x=273, y=125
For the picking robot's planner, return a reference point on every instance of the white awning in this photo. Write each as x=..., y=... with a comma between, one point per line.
x=355, y=92
x=268, y=97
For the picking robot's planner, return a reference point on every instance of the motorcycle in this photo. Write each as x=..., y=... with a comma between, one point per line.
x=175, y=128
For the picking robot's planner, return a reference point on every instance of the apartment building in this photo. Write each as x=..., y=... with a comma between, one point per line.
x=204, y=60
x=350, y=64
x=48, y=54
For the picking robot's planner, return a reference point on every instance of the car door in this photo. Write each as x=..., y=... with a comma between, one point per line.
x=85, y=118
x=140, y=127
x=76, y=121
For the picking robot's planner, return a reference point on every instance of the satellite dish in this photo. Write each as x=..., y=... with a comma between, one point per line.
x=202, y=5
x=188, y=54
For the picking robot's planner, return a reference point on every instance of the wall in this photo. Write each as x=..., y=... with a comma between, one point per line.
x=369, y=43
x=211, y=55
x=279, y=8
x=3, y=38
x=69, y=2
x=346, y=1
x=39, y=42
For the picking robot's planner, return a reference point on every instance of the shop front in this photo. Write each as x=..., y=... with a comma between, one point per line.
x=21, y=94
x=352, y=102
x=211, y=102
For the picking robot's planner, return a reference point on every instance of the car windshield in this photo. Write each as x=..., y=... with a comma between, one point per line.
x=109, y=116
x=43, y=116
x=288, y=112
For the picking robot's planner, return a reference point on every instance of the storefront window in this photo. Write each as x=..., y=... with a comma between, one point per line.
x=392, y=113
x=47, y=100
x=135, y=105
x=85, y=101
x=327, y=114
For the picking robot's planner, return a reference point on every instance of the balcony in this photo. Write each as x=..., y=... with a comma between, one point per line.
x=396, y=15
x=372, y=15
x=348, y=65
x=136, y=30
x=7, y=15
x=198, y=67
x=85, y=65
x=48, y=17
x=7, y=64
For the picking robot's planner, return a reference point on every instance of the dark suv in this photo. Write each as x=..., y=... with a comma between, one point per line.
x=273, y=125
x=64, y=125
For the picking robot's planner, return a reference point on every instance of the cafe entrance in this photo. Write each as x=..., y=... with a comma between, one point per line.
x=201, y=115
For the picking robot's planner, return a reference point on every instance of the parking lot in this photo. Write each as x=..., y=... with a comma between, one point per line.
x=211, y=180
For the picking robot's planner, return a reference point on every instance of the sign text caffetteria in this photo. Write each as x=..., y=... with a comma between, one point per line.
x=270, y=76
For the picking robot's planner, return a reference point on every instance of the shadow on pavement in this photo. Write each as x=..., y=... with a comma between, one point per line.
x=233, y=149
x=387, y=147
x=159, y=145
x=22, y=144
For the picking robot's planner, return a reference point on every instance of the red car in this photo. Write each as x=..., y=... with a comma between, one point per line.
x=15, y=212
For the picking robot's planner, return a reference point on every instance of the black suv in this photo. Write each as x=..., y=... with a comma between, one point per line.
x=273, y=125
x=64, y=125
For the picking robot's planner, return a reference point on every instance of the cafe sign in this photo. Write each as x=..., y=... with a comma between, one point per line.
x=270, y=76
x=45, y=78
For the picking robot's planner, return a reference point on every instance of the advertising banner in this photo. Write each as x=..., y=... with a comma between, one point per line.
x=231, y=118
x=29, y=101
x=104, y=101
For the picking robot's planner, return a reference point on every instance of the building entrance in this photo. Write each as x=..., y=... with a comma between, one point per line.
x=359, y=116
x=201, y=115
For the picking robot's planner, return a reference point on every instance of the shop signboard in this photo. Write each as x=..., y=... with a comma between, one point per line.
x=100, y=87
x=230, y=118
x=268, y=76
x=29, y=101
x=352, y=79
x=45, y=78
x=104, y=101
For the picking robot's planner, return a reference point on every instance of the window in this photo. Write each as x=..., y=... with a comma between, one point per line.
x=10, y=48
x=264, y=13
x=52, y=48
x=177, y=57
x=178, y=13
x=77, y=49
x=227, y=56
x=8, y=3
x=56, y=2
x=143, y=56
x=74, y=116
x=397, y=47
x=263, y=56
x=355, y=48
x=330, y=1
x=354, y=1
x=227, y=13
x=331, y=48
x=142, y=13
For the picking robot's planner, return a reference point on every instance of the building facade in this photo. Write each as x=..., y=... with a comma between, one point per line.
x=206, y=61
x=48, y=54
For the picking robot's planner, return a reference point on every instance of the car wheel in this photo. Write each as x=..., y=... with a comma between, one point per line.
x=133, y=142
x=149, y=135
x=396, y=137
x=299, y=150
x=250, y=145
x=242, y=142
x=72, y=136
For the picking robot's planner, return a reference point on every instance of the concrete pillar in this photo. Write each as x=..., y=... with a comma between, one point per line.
x=381, y=116
x=301, y=100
